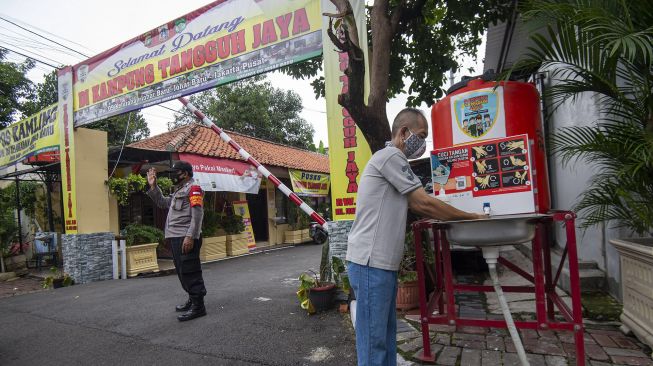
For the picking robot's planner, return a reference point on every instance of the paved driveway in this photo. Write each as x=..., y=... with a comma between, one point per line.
x=253, y=319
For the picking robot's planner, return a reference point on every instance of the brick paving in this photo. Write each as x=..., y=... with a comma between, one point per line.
x=605, y=345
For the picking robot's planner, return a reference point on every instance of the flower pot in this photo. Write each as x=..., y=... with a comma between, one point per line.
x=237, y=244
x=297, y=236
x=57, y=283
x=292, y=237
x=322, y=297
x=636, y=284
x=306, y=235
x=407, y=295
x=213, y=248
x=142, y=259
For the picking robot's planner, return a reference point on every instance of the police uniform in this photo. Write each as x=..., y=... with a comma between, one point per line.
x=185, y=214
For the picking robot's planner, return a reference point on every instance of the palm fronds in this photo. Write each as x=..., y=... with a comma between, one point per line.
x=604, y=47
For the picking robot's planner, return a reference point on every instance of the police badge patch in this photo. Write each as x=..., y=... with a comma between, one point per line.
x=195, y=196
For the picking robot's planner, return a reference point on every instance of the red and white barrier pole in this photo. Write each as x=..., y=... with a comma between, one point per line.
x=245, y=155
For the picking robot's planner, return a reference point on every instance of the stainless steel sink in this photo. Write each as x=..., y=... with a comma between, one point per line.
x=493, y=231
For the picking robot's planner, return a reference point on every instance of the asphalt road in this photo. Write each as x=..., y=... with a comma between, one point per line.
x=253, y=319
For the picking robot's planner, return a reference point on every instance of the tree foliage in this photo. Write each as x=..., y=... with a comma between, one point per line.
x=416, y=40
x=116, y=126
x=15, y=88
x=29, y=199
x=8, y=226
x=255, y=108
x=606, y=48
x=44, y=94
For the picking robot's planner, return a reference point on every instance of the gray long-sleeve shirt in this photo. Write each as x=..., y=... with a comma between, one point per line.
x=183, y=219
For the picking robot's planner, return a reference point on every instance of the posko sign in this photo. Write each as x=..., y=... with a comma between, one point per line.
x=33, y=135
x=224, y=41
x=309, y=184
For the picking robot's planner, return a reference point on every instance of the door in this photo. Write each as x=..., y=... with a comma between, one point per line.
x=259, y=214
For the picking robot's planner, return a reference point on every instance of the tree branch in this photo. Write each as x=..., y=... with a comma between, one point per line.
x=402, y=15
x=397, y=15
x=370, y=117
x=346, y=15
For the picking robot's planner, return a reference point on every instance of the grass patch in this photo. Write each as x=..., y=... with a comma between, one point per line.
x=600, y=306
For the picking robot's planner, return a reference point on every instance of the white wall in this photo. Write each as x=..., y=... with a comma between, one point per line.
x=569, y=182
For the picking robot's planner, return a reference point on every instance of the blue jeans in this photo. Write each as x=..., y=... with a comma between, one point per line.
x=376, y=318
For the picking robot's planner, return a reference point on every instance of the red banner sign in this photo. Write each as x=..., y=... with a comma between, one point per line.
x=214, y=174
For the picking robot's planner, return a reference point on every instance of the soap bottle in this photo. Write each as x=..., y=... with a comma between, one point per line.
x=442, y=195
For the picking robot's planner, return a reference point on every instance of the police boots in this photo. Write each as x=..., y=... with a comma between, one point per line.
x=185, y=307
x=196, y=310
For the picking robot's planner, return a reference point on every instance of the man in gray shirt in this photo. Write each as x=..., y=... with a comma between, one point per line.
x=387, y=189
x=183, y=229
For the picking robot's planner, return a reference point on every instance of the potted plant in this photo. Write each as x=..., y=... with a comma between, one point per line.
x=407, y=289
x=214, y=240
x=636, y=259
x=236, y=242
x=122, y=188
x=315, y=296
x=57, y=279
x=142, y=241
x=298, y=226
x=341, y=280
x=304, y=226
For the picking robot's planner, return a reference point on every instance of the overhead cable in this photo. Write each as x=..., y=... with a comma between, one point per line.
x=29, y=57
x=44, y=37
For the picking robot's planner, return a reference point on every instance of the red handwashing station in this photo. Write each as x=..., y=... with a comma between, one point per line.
x=492, y=137
x=489, y=155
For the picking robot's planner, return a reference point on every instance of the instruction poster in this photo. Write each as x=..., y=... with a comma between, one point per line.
x=484, y=169
x=241, y=208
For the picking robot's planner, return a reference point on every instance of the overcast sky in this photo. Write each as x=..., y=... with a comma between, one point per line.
x=91, y=27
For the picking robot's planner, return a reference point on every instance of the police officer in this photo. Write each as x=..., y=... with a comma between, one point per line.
x=182, y=231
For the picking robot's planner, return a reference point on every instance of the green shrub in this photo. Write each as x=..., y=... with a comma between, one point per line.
x=57, y=275
x=142, y=234
x=297, y=219
x=122, y=188
x=165, y=184
x=211, y=223
x=232, y=224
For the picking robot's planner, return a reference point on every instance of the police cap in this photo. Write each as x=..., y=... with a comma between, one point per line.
x=183, y=166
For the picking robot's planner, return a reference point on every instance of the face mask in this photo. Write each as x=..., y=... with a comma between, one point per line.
x=179, y=178
x=415, y=146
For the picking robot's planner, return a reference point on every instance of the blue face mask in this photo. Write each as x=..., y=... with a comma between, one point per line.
x=414, y=146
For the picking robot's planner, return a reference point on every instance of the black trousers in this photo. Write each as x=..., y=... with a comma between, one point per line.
x=189, y=268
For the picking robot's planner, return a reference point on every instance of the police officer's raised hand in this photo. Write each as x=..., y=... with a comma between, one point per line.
x=151, y=177
x=187, y=246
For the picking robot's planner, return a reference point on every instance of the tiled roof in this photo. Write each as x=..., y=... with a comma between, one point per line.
x=200, y=140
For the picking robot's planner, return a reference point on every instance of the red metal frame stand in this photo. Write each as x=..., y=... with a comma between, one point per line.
x=440, y=308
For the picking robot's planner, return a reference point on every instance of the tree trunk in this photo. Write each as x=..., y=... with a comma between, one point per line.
x=371, y=118
x=386, y=23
